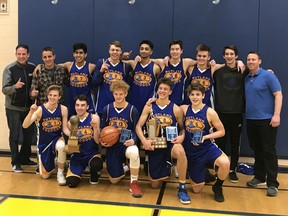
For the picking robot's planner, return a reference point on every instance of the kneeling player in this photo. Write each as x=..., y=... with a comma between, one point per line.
x=88, y=139
x=122, y=115
x=199, y=119
x=50, y=116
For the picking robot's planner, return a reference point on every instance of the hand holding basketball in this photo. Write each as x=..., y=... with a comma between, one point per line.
x=109, y=136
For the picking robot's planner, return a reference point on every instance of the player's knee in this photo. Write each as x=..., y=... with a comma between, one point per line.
x=178, y=152
x=60, y=145
x=197, y=189
x=96, y=164
x=132, y=153
x=73, y=181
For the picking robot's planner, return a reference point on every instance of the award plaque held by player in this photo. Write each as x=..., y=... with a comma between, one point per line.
x=197, y=136
x=72, y=145
x=171, y=133
x=125, y=135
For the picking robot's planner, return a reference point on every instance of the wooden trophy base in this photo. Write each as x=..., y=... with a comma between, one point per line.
x=72, y=146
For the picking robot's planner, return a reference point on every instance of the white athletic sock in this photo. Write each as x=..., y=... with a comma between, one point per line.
x=134, y=178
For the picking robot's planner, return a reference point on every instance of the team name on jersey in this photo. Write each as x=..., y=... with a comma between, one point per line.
x=79, y=79
x=119, y=123
x=84, y=133
x=163, y=119
x=192, y=124
x=174, y=75
x=205, y=81
x=51, y=124
x=111, y=76
x=142, y=78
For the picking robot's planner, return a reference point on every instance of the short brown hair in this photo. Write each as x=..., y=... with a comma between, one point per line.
x=119, y=85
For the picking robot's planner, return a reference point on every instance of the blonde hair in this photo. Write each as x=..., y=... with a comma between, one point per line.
x=119, y=85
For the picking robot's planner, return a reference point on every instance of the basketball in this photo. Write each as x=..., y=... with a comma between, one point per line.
x=109, y=135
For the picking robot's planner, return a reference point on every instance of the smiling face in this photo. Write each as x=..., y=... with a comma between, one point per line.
x=164, y=91
x=202, y=58
x=53, y=97
x=175, y=51
x=145, y=51
x=48, y=58
x=253, y=62
x=119, y=95
x=81, y=107
x=115, y=52
x=79, y=56
x=230, y=57
x=196, y=97
x=22, y=55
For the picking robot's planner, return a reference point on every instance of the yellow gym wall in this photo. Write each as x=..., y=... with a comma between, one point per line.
x=8, y=42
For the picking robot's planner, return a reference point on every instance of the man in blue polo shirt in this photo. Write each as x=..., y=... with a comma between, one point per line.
x=263, y=107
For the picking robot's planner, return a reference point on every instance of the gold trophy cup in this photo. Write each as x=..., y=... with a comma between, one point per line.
x=72, y=145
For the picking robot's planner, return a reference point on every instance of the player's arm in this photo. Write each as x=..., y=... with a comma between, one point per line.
x=65, y=128
x=159, y=62
x=179, y=117
x=132, y=63
x=67, y=65
x=34, y=87
x=187, y=62
x=147, y=144
x=34, y=114
x=156, y=70
x=101, y=68
x=214, y=122
x=91, y=68
x=37, y=70
x=278, y=97
x=95, y=123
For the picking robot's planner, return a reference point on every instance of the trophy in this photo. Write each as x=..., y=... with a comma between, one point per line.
x=73, y=140
x=153, y=130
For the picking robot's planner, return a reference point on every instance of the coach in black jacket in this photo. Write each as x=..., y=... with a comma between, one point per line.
x=16, y=84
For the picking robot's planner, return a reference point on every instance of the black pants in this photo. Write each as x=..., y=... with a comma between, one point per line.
x=262, y=139
x=233, y=127
x=15, y=120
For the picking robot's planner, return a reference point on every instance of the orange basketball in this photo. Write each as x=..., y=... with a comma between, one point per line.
x=109, y=135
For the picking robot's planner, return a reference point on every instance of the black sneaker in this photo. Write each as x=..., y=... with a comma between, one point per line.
x=233, y=177
x=17, y=168
x=29, y=163
x=218, y=194
x=255, y=182
x=94, y=178
x=272, y=191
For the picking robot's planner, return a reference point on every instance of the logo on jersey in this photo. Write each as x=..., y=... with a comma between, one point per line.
x=85, y=134
x=142, y=78
x=118, y=123
x=111, y=76
x=174, y=76
x=192, y=124
x=164, y=119
x=203, y=81
x=51, y=125
x=78, y=80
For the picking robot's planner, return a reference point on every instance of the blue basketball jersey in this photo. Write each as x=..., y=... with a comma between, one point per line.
x=164, y=115
x=80, y=83
x=85, y=136
x=178, y=76
x=193, y=122
x=142, y=85
x=204, y=78
x=103, y=93
x=50, y=127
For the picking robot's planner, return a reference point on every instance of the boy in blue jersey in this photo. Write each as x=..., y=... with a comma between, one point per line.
x=166, y=113
x=88, y=139
x=143, y=77
x=123, y=116
x=52, y=122
x=108, y=71
x=199, y=118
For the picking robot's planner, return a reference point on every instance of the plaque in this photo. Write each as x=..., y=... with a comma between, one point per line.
x=197, y=136
x=171, y=133
x=125, y=135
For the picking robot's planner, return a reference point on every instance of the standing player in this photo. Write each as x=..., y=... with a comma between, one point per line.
x=122, y=115
x=159, y=160
x=199, y=118
x=176, y=71
x=230, y=104
x=52, y=119
x=88, y=139
x=202, y=73
x=108, y=71
x=144, y=76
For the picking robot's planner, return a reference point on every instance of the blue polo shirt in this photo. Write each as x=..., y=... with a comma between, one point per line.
x=259, y=89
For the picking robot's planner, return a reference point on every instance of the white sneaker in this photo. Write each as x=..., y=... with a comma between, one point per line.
x=61, y=179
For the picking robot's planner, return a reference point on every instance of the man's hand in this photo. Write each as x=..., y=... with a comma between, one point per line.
x=104, y=66
x=19, y=84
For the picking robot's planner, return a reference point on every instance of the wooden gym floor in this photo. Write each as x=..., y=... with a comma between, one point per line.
x=27, y=194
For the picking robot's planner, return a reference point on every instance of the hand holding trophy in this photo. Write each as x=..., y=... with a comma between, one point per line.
x=73, y=145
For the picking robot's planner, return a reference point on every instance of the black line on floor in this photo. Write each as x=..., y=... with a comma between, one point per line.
x=159, y=199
